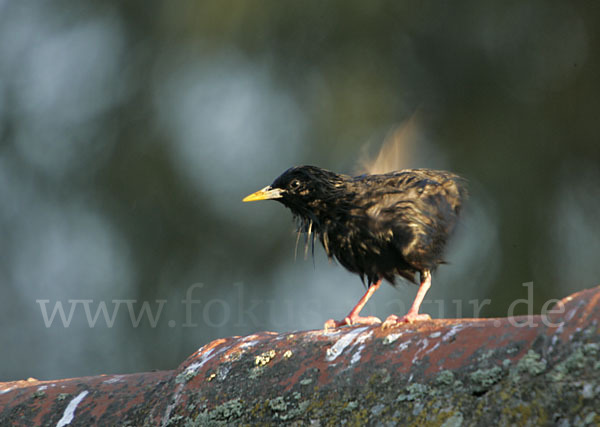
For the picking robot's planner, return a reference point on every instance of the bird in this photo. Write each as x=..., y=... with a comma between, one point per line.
x=380, y=226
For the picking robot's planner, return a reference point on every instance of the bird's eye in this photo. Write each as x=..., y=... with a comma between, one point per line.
x=295, y=184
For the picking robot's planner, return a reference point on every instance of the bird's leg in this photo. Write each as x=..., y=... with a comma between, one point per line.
x=413, y=314
x=354, y=318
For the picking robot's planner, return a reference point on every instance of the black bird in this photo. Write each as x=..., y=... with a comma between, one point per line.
x=378, y=226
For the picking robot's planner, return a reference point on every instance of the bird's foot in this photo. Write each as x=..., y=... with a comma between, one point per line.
x=407, y=318
x=350, y=321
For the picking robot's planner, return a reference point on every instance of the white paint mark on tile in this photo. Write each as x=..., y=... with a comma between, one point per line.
x=114, y=379
x=248, y=344
x=424, y=343
x=403, y=346
x=197, y=365
x=69, y=413
x=361, y=342
x=392, y=337
x=339, y=346
x=437, y=344
x=453, y=331
x=175, y=401
x=556, y=336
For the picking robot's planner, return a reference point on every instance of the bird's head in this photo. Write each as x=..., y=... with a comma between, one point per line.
x=303, y=189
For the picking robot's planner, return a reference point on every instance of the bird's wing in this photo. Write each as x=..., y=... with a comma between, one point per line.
x=416, y=210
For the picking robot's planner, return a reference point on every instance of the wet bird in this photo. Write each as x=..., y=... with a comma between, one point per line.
x=378, y=226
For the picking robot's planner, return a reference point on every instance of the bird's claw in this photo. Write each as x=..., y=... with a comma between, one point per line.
x=350, y=321
x=393, y=320
x=333, y=324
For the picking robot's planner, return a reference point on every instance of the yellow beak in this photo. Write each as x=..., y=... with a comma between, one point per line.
x=266, y=193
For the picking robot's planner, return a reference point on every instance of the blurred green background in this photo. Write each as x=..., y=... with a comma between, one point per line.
x=130, y=131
